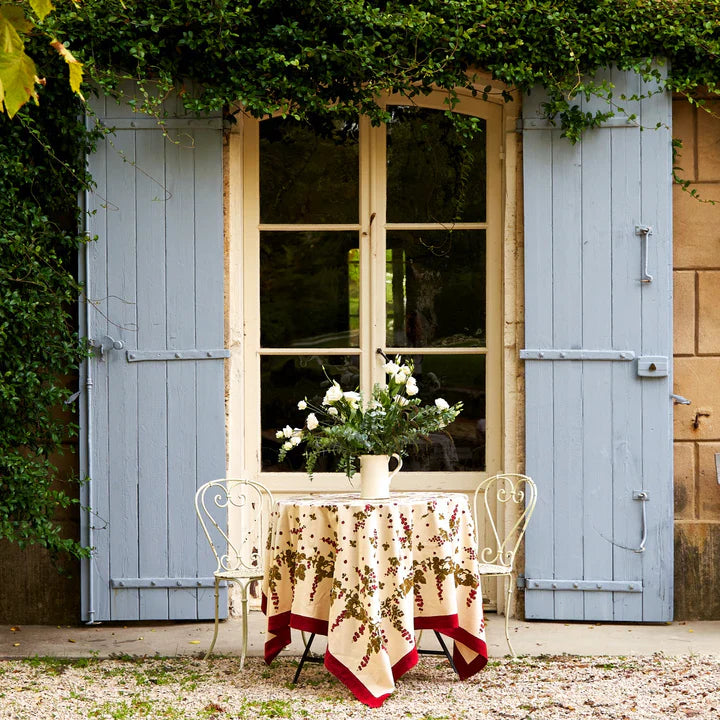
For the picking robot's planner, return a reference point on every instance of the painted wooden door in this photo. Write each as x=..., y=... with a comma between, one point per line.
x=156, y=418
x=598, y=351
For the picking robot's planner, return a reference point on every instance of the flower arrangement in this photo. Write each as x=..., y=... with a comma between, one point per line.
x=343, y=424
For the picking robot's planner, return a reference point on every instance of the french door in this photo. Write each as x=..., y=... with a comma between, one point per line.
x=360, y=239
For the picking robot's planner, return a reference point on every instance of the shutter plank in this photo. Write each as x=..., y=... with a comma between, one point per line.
x=210, y=325
x=539, y=410
x=122, y=378
x=182, y=395
x=566, y=281
x=657, y=339
x=95, y=601
x=597, y=377
x=626, y=392
x=152, y=406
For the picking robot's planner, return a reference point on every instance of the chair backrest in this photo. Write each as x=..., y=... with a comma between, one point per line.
x=249, y=504
x=492, y=495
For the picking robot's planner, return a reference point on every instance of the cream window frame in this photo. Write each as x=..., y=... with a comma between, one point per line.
x=244, y=303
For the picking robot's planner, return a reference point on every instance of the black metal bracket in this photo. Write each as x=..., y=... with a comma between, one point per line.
x=444, y=651
x=306, y=657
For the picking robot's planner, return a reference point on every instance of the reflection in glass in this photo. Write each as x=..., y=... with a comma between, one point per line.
x=308, y=173
x=432, y=176
x=284, y=381
x=453, y=378
x=435, y=292
x=309, y=289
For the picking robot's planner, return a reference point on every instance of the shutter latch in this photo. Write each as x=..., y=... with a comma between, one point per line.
x=645, y=231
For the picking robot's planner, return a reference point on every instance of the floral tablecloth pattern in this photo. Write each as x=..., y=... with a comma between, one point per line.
x=368, y=573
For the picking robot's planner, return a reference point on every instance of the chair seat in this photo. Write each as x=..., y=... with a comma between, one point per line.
x=238, y=574
x=491, y=569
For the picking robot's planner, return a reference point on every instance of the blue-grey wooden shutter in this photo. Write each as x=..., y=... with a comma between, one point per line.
x=598, y=351
x=156, y=404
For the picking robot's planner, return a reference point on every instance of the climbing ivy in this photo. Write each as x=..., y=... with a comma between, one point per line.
x=41, y=172
x=317, y=56
x=303, y=58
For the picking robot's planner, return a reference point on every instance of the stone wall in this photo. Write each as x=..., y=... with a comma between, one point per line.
x=32, y=591
x=697, y=363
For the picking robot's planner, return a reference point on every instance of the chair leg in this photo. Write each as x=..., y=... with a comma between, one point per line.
x=508, y=596
x=244, y=601
x=217, y=618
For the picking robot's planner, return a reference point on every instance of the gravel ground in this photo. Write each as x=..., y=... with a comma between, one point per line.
x=538, y=688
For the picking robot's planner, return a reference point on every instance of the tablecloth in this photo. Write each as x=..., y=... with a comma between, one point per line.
x=368, y=574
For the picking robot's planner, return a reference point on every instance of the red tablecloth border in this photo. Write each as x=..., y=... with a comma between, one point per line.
x=279, y=626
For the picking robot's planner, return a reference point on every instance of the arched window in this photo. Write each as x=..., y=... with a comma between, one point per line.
x=357, y=238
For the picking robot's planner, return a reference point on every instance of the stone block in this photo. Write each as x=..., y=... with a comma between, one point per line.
x=683, y=120
x=697, y=571
x=696, y=228
x=708, y=142
x=684, y=312
x=708, y=486
x=709, y=312
x=684, y=484
x=698, y=379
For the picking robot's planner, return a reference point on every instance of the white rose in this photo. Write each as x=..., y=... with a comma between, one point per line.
x=302, y=405
x=295, y=440
x=405, y=370
x=332, y=411
x=287, y=431
x=312, y=421
x=411, y=387
x=279, y=434
x=353, y=398
x=441, y=404
x=391, y=368
x=333, y=394
x=287, y=445
x=400, y=377
x=400, y=400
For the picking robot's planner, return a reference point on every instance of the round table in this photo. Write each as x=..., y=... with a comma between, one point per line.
x=368, y=574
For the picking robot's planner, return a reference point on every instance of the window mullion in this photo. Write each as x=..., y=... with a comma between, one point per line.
x=378, y=205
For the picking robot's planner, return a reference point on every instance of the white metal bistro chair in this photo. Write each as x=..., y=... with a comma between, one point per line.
x=498, y=533
x=239, y=555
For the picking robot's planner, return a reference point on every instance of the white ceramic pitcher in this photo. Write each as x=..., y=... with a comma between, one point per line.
x=375, y=475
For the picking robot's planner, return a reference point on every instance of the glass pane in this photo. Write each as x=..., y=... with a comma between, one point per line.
x=435, y=288
x=285, y=380
x=308, y=174
x=309, y=289
x=454, y=378
x=431, y=175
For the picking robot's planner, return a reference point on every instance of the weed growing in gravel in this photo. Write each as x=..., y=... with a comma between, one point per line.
x=57, y=665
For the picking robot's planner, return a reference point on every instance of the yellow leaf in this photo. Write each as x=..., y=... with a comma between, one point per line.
x=41, y=7
x=74, y=67
x=76, y=75
x=10, y=41
x=18, y=77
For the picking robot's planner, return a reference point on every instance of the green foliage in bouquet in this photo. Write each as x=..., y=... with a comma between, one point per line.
x=393, y=419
